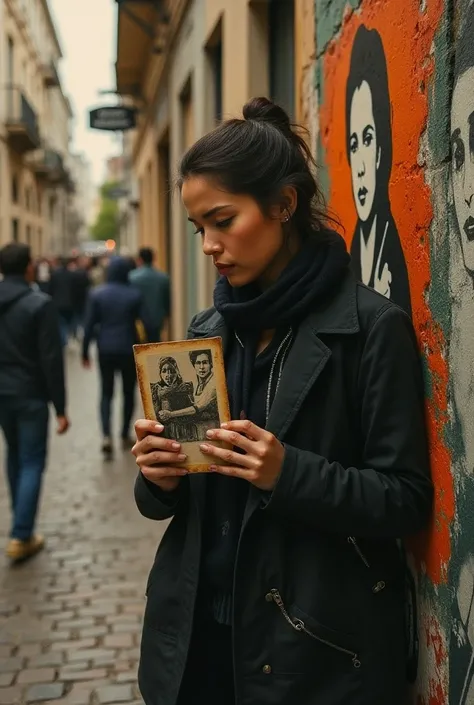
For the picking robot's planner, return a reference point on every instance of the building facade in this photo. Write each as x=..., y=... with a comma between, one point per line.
x=386, y=88
x=80, y=200
x=200, y=61
x=35, y=117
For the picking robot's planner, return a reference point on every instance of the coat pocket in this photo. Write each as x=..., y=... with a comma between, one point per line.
x=307, y=626
x=157, y=668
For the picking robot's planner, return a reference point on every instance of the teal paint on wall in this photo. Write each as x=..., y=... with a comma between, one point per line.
x=329, y=15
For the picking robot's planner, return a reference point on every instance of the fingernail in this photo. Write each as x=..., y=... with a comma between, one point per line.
x=204, y=447
x=212, y=468
x=182, y=457
x=159, y=427
x=224, y=425
x=210, y=434
x=183, y=472
x=175, y=446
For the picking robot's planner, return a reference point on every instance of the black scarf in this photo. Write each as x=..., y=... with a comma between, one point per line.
x=311, y=276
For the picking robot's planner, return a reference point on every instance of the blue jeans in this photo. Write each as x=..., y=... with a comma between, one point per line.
x=25, y=426
x=109, y=365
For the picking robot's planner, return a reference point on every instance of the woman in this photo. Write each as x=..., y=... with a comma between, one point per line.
x=377, y=255
x=279, y=579
x=170, y=395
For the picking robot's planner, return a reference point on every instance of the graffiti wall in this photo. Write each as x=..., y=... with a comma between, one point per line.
x=395, y=90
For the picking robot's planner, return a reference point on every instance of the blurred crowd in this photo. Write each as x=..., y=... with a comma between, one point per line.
x=109, y=303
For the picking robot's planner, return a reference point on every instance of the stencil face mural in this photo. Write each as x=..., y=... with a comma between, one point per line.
x=462, y=357
x=462, y=140
x=376, y=251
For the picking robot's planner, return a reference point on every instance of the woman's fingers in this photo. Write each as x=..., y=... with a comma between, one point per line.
x=156, y=474
x=150, y=444
x=232, y=438
x=144, y=427
x=160, y=457
x=230, y=457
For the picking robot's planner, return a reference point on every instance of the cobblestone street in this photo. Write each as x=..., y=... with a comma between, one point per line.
x=70, y=618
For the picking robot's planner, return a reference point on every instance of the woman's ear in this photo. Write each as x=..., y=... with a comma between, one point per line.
x=288, y=202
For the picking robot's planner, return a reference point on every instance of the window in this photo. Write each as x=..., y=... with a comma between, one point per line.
x=15, y=189
x=15, y=229
x=214, y=59
x=11, y=61
x=281, y=28
x=28, y=234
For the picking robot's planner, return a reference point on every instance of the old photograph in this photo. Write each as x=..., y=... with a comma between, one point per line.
x=182, y=385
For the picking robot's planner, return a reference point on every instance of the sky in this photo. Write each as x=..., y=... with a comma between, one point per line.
x=87, y=34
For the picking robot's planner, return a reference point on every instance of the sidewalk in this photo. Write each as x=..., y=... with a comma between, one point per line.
x=70, y=618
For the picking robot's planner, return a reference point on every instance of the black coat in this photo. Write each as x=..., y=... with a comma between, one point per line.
x=350, y=413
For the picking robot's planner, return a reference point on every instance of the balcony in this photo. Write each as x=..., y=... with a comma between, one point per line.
x=22, y=122
x=47, y=164
x=50, y=75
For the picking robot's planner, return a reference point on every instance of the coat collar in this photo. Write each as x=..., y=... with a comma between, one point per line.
x=308, y=355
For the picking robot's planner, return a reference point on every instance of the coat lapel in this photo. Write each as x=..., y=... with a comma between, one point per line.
x=307, y=359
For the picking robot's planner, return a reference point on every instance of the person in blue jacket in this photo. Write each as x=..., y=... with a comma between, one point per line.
x=112, y=312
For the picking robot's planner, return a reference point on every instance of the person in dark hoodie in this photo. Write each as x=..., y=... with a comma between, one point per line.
x=31, y=375
x=112, y=312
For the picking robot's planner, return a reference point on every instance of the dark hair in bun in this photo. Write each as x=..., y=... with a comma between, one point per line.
x=258, y=156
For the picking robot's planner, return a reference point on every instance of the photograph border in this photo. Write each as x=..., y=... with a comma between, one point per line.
x=143, y=351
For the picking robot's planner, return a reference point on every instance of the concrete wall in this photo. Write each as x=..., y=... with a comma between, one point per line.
x=397, y=152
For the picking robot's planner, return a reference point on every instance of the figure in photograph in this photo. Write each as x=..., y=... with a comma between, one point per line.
x=205, y=393
x=171, y=395
x=377, y=255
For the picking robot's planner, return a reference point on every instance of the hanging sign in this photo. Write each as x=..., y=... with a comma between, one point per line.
x=114, y=117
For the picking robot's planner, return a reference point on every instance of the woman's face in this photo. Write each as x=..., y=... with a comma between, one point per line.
x=363, y=150
x=462, y=142
x=245, y=244
x=202, y=366
x=168, y=374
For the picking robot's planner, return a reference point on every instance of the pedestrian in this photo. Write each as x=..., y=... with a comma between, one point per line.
x=113, y=310
x=280, y=578
x=96, y=272
x=43, y=274
x=31, y=375
x=61, y=288
x=155, y=287
x=80, y=288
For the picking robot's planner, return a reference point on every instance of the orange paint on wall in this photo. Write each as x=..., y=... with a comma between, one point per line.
x=407, y=37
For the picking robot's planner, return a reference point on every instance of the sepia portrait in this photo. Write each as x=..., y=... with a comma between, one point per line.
x=182, y=385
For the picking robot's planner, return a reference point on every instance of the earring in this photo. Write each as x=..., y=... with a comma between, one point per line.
x=287, y=216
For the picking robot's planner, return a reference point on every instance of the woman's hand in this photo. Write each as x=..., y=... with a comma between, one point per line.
x=156, y=456
x=164, y=415
x=263, y=459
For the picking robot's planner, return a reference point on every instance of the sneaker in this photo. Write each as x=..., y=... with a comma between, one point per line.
x=107, y=446
x=18, y=550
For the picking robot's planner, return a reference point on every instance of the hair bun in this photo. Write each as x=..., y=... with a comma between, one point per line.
x=264, y=110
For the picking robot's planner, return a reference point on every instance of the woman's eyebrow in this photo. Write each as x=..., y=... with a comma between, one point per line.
x=210, y=212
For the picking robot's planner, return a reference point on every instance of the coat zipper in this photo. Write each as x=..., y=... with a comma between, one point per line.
x=352, y=540
x=300, y=626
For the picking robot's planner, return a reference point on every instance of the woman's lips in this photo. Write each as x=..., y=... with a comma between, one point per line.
x=362, y=195
x=469, y=228
x=224, y=269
